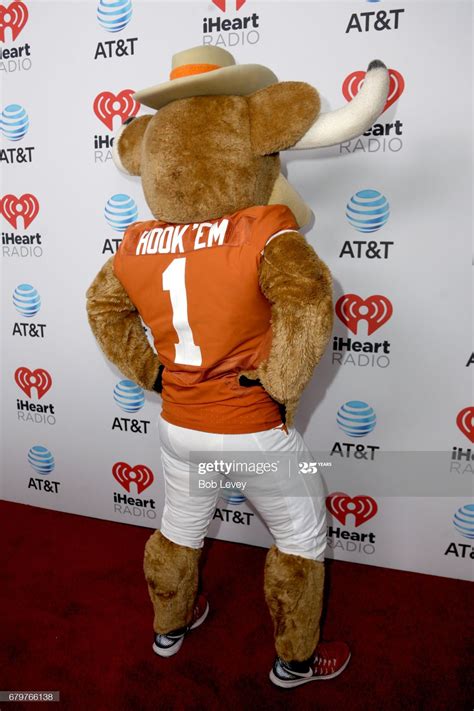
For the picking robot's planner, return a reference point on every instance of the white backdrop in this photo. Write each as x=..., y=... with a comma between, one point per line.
x=401, y=495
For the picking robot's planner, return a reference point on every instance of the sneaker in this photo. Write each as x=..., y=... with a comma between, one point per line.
x=330, y=659
x=168, y=644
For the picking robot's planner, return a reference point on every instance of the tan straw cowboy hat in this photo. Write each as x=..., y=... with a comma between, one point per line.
x=206, y=71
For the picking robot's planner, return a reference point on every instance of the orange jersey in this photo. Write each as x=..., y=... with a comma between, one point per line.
x=196, y=287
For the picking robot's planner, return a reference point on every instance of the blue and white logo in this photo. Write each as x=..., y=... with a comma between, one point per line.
x=234, y=499
x=356, y=418
x=129, y=396
x=120, y=212
x=464, y=521
x=368, y=211
x=41, y=459
x=26, y=300
x=14, y=122
x=114, y=15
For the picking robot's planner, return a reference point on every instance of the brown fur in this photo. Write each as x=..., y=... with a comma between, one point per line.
x=281, y=114
x=294, y=594
x=131, y=144
x=199, y=161
x=118, y=329
x=299, y=287
x=171, y=572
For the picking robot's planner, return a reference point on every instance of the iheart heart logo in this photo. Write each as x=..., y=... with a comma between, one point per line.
x=465, y=422
x=140, y=475
x=340, y=505
x=222, y=4
x=15, y=16
x=353, y=84
x=27, y=379
x=26, y=206
x=376, y=310
x=107, y=106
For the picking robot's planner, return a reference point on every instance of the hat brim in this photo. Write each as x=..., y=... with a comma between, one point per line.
x=238, y=80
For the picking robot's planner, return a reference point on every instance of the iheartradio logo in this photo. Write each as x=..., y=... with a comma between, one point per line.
x=14, y=16
x=362, y=508
x=353, y=84
x=140, y=475
x=222, y=4
x=39, y=379
x=107, y=106
x=465, y=422
x=12, y=208
x=376, y=310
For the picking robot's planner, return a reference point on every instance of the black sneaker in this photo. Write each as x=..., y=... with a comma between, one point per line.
x=168, y=644
x=330, y=660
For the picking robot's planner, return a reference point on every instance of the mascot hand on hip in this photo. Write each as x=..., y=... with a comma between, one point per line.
x=240, y=308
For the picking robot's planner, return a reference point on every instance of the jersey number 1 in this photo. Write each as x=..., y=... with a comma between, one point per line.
x=187, y=352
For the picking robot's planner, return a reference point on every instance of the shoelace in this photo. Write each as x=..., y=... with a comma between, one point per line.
x=325, y=664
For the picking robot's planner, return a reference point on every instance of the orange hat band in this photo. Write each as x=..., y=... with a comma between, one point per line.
x=189, y=70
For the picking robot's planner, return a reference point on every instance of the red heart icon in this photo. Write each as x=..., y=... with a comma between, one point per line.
x=15, y=16
x=107, y=106
x=221, y=4
x=465, y=422
x=26, y=207
x=353, y=83
x=340, y=505
x=376, y=310
x=28, y=379
x=140, y=475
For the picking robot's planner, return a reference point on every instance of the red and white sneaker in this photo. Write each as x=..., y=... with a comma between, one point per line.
x=330, y=660
x=168, y=644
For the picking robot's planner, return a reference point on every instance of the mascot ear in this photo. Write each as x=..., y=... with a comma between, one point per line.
x=281, y=115
x=127, y=149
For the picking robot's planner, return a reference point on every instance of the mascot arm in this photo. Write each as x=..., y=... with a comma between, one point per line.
x=119, y=331
x=299, y=287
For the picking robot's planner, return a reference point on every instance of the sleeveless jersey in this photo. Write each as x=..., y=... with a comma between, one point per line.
x=196, y=287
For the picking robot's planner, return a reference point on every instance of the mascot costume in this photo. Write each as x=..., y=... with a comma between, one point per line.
x=240, y=308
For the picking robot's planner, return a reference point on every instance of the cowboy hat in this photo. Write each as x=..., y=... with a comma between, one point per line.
x=206, y=71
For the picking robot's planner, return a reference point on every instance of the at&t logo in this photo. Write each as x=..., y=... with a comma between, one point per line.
x=13, y=19
x=139, y=477
x=352, y=310
x=367, y=212
x=27, y=302
x=14, y=125
x=130, y=398
x=382, y=137
x=242, y=518
x=120, y=212
x=462, y=457
x=358, y=509
x=463, y=522
x=112, y=109
x=378, y=20
x=34, y=383
x=356, y=419
x=42, y=461
x=113, y=16
x=227, y=32
x=20, y=210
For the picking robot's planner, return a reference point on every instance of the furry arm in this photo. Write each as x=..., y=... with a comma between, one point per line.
x=299, y=287
x=118, y=329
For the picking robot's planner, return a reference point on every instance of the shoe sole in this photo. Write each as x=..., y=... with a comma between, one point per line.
x=304, y=680
x=171, y=651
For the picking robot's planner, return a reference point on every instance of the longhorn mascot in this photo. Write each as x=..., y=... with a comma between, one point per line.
x=240, y=308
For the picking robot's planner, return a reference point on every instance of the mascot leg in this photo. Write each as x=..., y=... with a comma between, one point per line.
x=171, y=572
x=294, y=595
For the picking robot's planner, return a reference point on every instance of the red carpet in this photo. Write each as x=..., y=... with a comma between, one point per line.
x=76, y=618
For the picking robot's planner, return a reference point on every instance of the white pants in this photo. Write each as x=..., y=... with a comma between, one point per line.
x=297, y=523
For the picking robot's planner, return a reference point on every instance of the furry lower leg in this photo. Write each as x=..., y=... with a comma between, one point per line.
x=294, y=595
x=171, y=572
